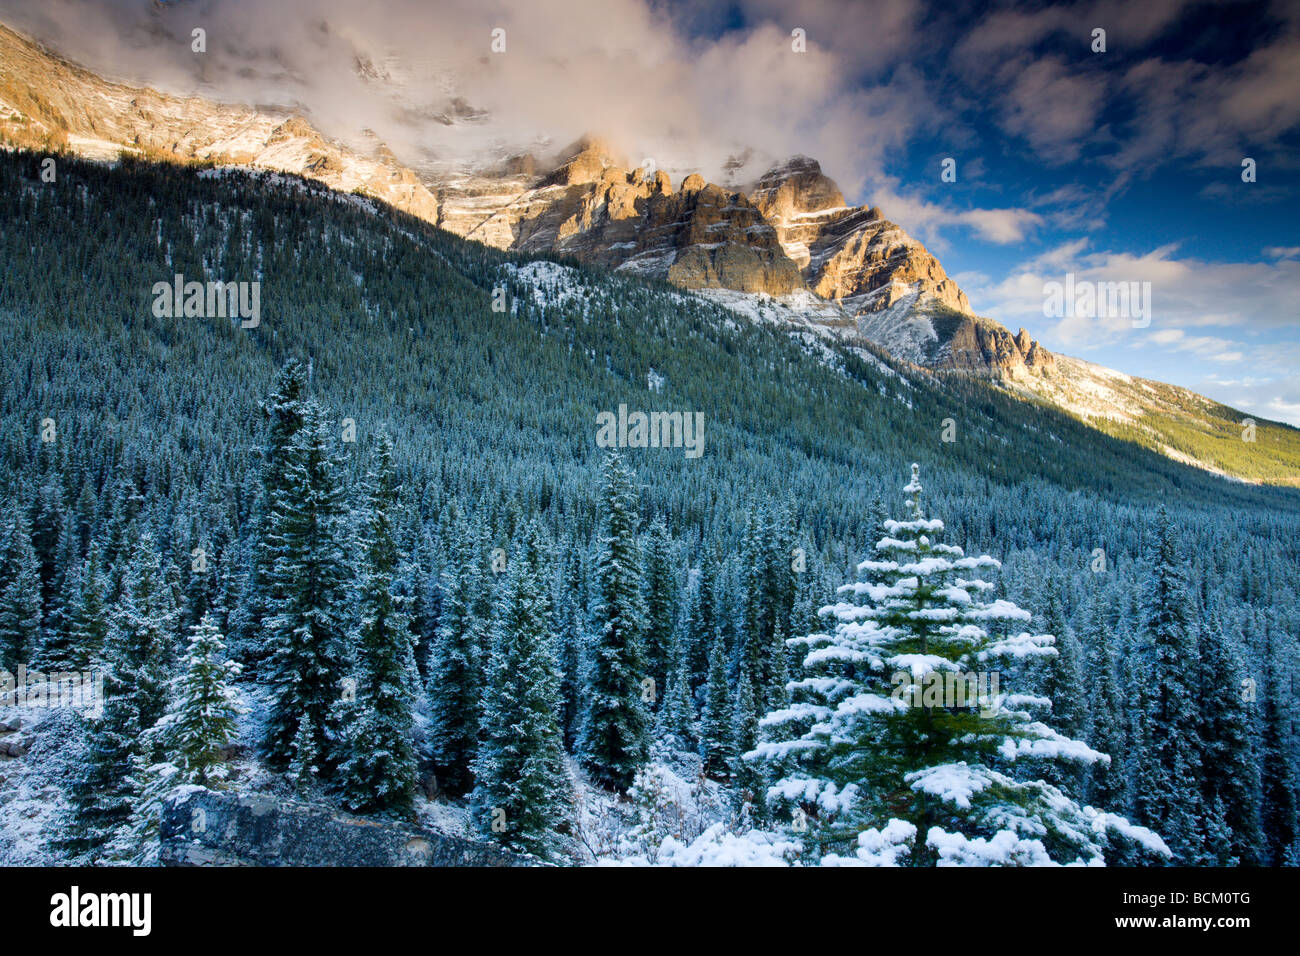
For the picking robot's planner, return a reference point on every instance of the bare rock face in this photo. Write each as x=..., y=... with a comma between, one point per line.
x=850, y=254
x=592, y=206
x=982, y=346
x=205, y=828
x=790, y=232
x=47, y=102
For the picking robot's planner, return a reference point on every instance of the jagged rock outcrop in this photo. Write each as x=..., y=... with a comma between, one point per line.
x=985, y=347
x=205, y=828
x=593, y=206
x=791, y=232
x=849, y=254
x=47, y=102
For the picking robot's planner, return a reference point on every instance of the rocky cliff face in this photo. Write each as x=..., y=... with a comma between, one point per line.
x=205, y=828
x=47, y=102
x=849, y=254
x=789, y=234
x=593, y=206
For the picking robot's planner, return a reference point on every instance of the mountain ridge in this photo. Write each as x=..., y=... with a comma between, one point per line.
x=789, y=237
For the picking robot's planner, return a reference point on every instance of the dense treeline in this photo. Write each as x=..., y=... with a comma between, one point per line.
x=173, y=479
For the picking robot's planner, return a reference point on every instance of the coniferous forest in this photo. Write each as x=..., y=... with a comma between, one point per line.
x=368, y=554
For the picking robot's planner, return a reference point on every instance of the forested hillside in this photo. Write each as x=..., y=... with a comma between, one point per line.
x=394, y=479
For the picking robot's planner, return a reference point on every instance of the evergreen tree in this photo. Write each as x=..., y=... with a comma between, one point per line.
x=306, y=574
x=284, y=411
x=744, y=738
x=20, y=606
x=379, y=773
x=201, y=720
x=1168, y=794
x=455, y=679
x=1063, y=685
x=1281, y=782
x=616, y=727
x=716, y=734
x=140, y=640
x=875, y=760
x=522, y=793
x=1231, y=784
x=676, y=723
x=660, y=604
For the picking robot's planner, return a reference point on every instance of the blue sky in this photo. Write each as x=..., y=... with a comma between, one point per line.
x=1122, y=166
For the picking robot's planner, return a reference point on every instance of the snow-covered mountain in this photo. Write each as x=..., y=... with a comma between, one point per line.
x=786, y=246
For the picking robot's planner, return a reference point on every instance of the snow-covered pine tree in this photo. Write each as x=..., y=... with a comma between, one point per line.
x=201, y=720
x=616, y=727
x=379, y=772
x=570, y=639
x=284, y=411
x=676, y=721
x=455, y=677
x=1278, y=771
x=191, y=738
x=1231, y=775
x=1105, y=785
x=522, y=793
x=305, y=574
x=138, y=656
x=716, y=733
x=705, y=619
x=1063, y=686
x=660, y=604
x=1168, y=790
x=746, y=774
x=875, y=767
x=20, y=605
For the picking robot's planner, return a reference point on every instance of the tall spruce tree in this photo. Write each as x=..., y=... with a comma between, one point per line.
x=717, y=737
x=379, y=772
x=522, y=794
x=1230, y=785
x=305, y=575
x=455, y=664
x=284, y=412
x=660, y=605
x=615, y=734
x=1168, y=791
x=21, y=635
x=138, y=657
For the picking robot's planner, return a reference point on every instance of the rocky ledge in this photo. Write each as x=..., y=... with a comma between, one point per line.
x=202, y=827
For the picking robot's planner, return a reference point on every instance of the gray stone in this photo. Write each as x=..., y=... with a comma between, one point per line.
x=209, y=828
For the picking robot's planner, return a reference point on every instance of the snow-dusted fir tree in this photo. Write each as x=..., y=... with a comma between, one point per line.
x=284, y=411
x=138, y=656
x=379, y=772
x=20, y=604
x=717, y=736
x=1169, y=770
x=616, y=727
x=660, y=604
x=454, y=680
x=1231, y=773
x=522, y=792
x=191, y=737
x=201, y=720
x=898, y=749
x=306, y=573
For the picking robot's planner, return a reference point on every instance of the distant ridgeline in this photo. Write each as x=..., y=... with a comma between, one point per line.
x=114, y=416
